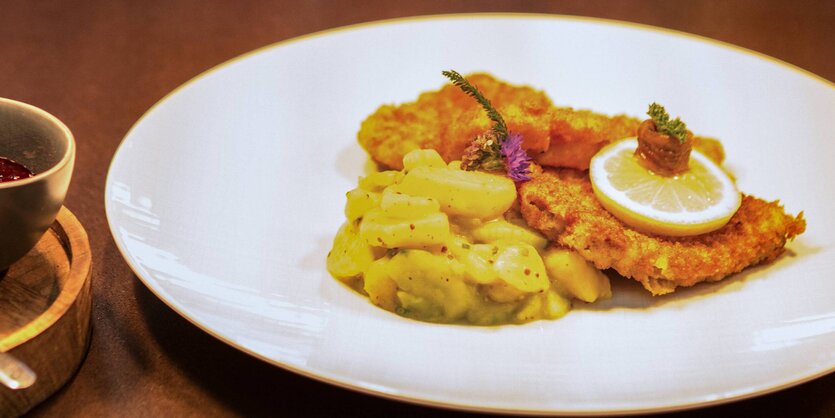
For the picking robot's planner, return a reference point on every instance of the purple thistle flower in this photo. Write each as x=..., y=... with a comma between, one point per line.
x=517, y=161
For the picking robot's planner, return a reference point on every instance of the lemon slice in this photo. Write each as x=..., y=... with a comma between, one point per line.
x=700, y=200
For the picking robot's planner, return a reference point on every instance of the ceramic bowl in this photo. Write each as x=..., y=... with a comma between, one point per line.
x=44, y=145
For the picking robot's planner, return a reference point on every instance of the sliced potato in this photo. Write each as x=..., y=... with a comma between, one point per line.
x=400, y=205
x=376, y=182
x=433, y=283
x=549, y=305
x=381, y=289
x=531, y=309
x=464, y=193
x=477, y=268
x=576, y=275
x=520, y=266
x=556, y=305
x=500, y=291
x=422, y=158
x=350, y=255
x=501, y=230
x=380, y=230
x=359, y=202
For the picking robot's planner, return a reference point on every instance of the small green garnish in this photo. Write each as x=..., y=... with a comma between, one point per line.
x=675, y=128
x=499, y=127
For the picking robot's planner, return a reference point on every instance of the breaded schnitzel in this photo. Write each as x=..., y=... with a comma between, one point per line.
x=561, y=204
x=447, y=120
x=576, y=135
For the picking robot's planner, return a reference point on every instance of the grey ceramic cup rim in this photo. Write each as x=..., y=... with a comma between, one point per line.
x=68, y=156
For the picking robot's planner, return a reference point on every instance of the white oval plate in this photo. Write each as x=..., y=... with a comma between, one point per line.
x=225, y=196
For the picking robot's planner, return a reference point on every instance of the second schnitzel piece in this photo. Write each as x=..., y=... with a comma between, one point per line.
x=561, y=204
x=576, y=135
x=447, y=120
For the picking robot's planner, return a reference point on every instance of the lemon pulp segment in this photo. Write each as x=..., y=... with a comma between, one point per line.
x=700, y=200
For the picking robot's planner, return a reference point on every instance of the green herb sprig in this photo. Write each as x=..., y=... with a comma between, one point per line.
x=674, y=128
x=496, y=149
x=499, y=127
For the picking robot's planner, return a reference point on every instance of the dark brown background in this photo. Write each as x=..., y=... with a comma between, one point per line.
x=99, y=65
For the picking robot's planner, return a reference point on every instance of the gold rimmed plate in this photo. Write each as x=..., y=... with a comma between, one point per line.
x=225, y=196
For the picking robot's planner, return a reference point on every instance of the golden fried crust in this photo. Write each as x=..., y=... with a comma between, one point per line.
x=447, y=120
x=710, y=147
x=392, y=131
x=576, y=135
x=562, y=205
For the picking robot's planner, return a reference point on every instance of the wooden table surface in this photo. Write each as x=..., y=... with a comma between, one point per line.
x=100, y=64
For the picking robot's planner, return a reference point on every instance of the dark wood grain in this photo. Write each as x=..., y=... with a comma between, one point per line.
x=46, y=317
x=31, y=284
x=100, y=64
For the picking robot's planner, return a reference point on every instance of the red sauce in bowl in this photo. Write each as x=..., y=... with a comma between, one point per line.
x=10, y=170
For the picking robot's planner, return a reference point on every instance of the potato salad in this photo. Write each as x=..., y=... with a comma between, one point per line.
x=436, y=243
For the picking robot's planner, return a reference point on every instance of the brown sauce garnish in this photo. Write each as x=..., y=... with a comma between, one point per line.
x=660, y=153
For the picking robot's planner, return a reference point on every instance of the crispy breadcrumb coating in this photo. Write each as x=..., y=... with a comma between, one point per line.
x=447, y=120
x=576, y=135
x=561, y=204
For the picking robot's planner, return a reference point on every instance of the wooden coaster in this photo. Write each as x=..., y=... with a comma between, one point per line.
x=45, y=312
